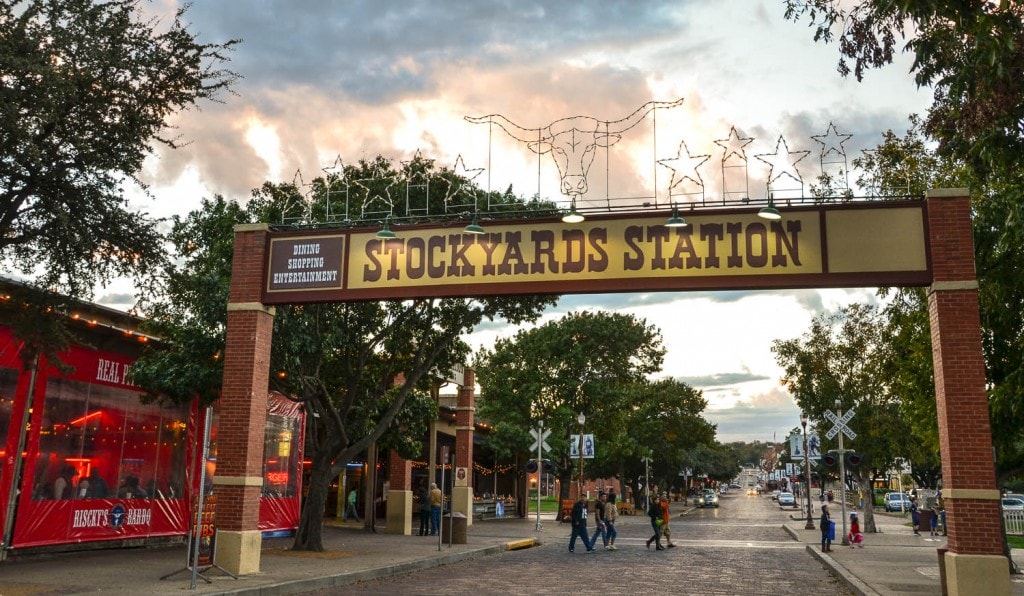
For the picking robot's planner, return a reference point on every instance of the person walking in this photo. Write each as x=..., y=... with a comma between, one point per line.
x=599, y=521
x=827, y=529
x=855, y=538
x=666, y=516
x=424, y=510
x=436, y=499
x=654, y=512
x=579, y=526
x=935, y=519
x=611, y=514
x=915, y=515
x=350, y=509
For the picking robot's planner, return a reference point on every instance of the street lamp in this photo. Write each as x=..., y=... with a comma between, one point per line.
x=807, y=473
x=582, y=418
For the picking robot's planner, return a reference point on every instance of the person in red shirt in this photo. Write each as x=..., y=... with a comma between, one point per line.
x=855, y=538
x=666, y=515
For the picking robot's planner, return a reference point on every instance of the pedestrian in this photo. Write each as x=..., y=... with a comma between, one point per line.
x=599, y=522
x=424, y=510
x=436, y=499
x=915, y=515
x=666, y=516
x=654, y=512
x=611, y=514
x=827, y=529
x=579, y=526
x=935, y=519
x=855, y=538
x=350, y=509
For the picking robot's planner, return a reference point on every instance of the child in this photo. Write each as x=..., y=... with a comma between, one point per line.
x=935, y=519
x=825, y=523
x=855, y=538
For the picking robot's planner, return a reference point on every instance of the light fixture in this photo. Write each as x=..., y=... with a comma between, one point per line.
x=385, y=232
x=675, y=221
x=474, y=227
x=573, y=216
x=769, y=212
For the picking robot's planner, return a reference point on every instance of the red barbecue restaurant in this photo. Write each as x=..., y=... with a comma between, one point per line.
x=101, y=468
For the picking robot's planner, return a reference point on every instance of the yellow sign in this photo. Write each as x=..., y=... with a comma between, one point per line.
x=814, y=247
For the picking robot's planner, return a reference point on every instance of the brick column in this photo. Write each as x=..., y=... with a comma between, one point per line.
x=243, y=406
x=400, y=496
x=975, y=563
x=462, y=491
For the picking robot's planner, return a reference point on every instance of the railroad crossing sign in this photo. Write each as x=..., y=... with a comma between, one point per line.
x=540, y=439
x=840, y=424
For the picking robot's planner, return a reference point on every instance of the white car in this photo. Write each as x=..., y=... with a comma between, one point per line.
x=1012, y=504
x=708, y=498
x=786, y=500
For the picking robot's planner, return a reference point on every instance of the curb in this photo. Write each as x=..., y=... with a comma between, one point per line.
x=849, y=580
x=520, y=544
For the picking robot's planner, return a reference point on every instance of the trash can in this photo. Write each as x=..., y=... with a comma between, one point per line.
x=453, y=528
x=925, y=523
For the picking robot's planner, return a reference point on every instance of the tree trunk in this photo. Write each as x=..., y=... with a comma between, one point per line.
x=309, y=534
x=865, y=485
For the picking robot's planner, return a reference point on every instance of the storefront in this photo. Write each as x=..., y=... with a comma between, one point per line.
x=98, y=465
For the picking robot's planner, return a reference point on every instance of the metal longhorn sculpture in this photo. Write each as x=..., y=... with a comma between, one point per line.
x=573, y=141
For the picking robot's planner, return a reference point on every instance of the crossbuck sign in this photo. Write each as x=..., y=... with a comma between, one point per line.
x=840, y=424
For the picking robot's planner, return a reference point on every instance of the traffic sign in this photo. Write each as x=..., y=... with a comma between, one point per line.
x=840, y=424
x=540, y=438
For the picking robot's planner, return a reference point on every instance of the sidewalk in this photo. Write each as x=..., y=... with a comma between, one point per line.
x=893, y=562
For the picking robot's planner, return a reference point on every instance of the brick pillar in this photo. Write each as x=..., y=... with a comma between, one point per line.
x=400, y=495
x=975, y=563
x=243, y=406
x=462, y=491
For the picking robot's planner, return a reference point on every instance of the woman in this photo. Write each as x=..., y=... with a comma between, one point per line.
x=825, y=523
x=654, y=512
x=611, y=513
x=855, y=538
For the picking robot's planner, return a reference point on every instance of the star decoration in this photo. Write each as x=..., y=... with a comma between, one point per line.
x=379, y=194
x=684, y=166
x=832, y=142
x=733, y=145
x=783, y=162
x=335, y=171
x=422, y=166
x=465, y=177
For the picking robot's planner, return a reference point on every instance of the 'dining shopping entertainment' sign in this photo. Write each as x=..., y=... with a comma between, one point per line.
x=859, y=245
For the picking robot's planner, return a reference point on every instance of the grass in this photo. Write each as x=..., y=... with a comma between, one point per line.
x=1015, y=541
x=547, y=504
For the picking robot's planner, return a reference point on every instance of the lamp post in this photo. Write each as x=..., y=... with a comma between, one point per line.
x=842, y=471
x=582, y=418
x=807, y=473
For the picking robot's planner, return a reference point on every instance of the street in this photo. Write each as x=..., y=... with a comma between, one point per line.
x=738, y=548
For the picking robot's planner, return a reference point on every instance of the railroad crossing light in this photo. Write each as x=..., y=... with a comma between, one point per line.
x=530, y=466
x=829, y=460
x=550, y=467
x=853, y=459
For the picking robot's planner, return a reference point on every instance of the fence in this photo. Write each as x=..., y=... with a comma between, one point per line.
x=1014, y=522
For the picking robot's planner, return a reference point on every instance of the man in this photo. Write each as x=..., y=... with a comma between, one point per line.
x=425, y=509
x=599, y=521
x=350, y=509
x=579, y=526
x=436, y=499
x=666, y=515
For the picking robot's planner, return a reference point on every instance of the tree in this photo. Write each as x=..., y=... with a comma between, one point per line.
x=971, y=53
x=85, y=90
x=840, y=358
x=582, y=363
x=362, y=370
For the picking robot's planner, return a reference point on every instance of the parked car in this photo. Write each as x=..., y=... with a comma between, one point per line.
x=708, y=498
x=786, y=500
x=775, y=494
x=1013, y=504
x=897, y=502
x=735, y=485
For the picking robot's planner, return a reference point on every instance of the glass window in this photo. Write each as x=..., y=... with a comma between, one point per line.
x=8, y=385
x=97, y=441
x=281, y=456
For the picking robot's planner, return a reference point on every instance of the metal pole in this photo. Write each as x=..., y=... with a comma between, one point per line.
x=14, y=492
x=581, y=460
x=540, y=468
x=842, y=471
x=807, y=475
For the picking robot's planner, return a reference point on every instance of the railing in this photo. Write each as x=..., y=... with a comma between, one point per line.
x=1014, y=522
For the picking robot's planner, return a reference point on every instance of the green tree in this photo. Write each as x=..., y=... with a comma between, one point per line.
x=839, y=359
x=582, y=363
x=86, y=89
x=970, y=53
x=362, y=370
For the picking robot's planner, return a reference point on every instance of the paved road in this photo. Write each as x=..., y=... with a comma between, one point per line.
x=739, y=548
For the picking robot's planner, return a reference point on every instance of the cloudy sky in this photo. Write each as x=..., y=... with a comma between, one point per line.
x=326, y=80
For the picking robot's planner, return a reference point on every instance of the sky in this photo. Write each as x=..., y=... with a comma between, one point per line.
x=323, y=81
